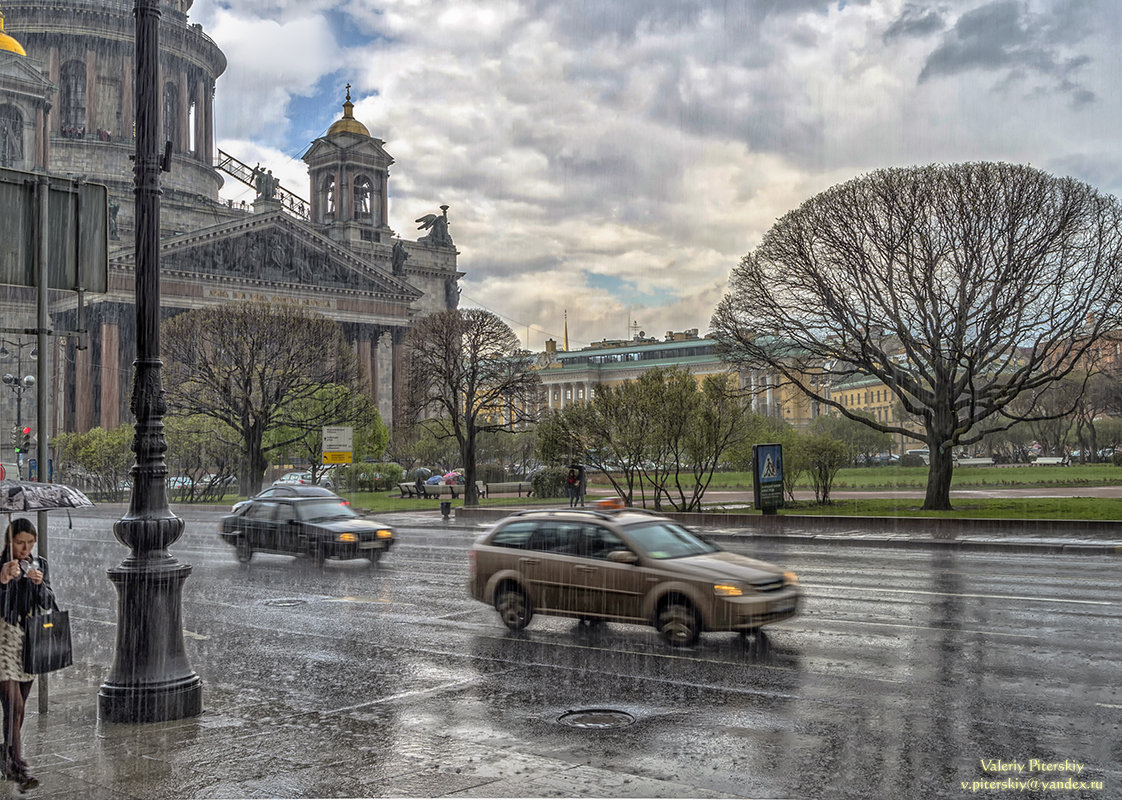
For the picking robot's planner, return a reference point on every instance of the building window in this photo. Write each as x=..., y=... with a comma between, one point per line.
x=11, y=136
x=72, y=99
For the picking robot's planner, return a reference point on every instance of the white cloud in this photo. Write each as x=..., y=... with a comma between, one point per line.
x=601, y=157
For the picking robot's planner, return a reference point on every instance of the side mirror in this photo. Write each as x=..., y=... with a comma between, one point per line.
x=623, y=557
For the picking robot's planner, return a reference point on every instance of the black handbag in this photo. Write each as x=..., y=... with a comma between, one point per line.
x=46, y=641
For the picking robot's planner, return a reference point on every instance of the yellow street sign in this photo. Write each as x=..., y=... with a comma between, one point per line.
x=337, y=458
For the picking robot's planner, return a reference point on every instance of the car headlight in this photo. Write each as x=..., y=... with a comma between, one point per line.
x=790, y=579
x=348, y=537
x=727, y=590
x=385, y=533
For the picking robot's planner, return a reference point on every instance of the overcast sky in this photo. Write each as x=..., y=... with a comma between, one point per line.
x=616, y=158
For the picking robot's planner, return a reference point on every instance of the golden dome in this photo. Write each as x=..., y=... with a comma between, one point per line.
x=348, y=124
x=7, y=43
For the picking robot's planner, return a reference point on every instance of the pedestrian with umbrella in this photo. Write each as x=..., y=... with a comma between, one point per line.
x=25, y=587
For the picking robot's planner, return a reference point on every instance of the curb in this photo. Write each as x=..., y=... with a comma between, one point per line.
x=921, y=539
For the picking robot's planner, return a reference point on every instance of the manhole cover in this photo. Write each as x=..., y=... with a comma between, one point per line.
x=596, y=718
x=285, y=602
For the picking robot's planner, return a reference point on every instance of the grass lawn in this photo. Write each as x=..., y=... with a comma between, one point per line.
x=873, y=478
x=1082, y=508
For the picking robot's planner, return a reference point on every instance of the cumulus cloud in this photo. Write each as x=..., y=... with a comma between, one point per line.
x=616, y=160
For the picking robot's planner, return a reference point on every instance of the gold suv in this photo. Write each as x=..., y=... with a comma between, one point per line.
x=628, y=565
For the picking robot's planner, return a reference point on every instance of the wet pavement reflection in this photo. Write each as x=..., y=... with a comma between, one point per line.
x=905, y=670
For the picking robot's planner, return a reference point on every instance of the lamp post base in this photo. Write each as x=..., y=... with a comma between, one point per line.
x=134, y=704
x=151, y=679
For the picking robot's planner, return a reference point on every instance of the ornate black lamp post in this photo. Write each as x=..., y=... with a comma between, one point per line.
x=151, y=679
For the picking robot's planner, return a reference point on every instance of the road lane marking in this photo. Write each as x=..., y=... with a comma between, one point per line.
x=1107, y=705
x=958, y=594
x=413, y=693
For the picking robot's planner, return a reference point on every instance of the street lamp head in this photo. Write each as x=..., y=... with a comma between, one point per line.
x=9, y=379
x=4, y=353
x=28, y=381
x=35, y=354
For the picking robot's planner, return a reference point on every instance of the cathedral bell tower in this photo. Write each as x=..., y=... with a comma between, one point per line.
x=349, y=173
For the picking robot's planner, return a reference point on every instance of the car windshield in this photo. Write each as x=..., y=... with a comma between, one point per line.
x=327, y=508
x=668, y=540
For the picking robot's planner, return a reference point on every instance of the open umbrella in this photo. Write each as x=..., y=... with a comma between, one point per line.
x=17, y=496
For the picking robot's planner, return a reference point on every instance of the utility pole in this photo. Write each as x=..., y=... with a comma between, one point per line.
x=151, y=679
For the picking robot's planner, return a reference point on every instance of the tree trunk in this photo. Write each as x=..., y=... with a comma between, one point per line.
x=254, y=465
x=467, y=452
x=939, y=480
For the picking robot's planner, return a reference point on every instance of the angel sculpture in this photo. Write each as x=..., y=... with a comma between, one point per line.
x=437, y=225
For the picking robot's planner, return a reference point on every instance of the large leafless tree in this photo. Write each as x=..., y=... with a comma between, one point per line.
x=261, y=370
x=961, y=287
x=469, y=374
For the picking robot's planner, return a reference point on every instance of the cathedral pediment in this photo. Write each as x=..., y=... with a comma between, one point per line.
x=275, y=250
x=19, y=74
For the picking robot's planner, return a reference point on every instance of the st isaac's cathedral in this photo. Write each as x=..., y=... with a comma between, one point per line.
x=66, y=107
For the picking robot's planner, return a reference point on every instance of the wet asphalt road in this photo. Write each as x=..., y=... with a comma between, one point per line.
x=907, y=669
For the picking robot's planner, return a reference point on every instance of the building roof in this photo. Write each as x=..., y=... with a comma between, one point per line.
x=7, y=43
x=348, y=123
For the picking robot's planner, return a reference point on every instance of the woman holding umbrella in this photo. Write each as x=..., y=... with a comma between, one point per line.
x=24, y=587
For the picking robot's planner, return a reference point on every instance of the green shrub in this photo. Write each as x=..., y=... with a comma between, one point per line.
x=911, y=460
x=365, y=477
x=550, y=482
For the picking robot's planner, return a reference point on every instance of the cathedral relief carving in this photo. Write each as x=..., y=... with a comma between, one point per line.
x=273, y=255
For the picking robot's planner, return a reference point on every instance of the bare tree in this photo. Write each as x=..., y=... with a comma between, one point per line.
x=253, y=367
x=468, y=371
x=960, y=287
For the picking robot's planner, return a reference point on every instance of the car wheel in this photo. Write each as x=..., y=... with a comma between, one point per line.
x=514, y=608
x=375, y=556
x=591, y=622
x=678, y=624
x=243, y=550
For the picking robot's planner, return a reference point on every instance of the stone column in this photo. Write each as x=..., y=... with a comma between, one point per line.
x=384, y=375
x=42, y=139
x=365, y=361
x=126, y=132
x=383, y=214
x=208, y=117
x=83, y=391
x=400, y=373
x=110, y=375
x=53, y=75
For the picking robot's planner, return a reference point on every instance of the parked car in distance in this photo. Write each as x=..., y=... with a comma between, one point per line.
x=629, y=566
x=305, y=479
x=289, y=490
x=316, y=527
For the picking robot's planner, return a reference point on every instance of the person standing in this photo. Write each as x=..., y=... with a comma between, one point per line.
x=24, y=588
x=572, y=484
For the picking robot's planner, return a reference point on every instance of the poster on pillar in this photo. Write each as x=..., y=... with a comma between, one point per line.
x=77, y=217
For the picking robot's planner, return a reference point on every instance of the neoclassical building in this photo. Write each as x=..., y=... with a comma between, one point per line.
x=66, y=106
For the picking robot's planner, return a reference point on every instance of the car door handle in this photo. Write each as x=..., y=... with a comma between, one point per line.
x=527, y=561
x=585, y=569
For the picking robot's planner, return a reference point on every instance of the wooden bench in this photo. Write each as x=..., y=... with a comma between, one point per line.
x=408, y=489
x=1055, y=460
x=510, y=487
x=974, y=462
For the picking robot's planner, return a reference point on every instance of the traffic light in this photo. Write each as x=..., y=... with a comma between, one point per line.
x=15, y=438
x=25, y=440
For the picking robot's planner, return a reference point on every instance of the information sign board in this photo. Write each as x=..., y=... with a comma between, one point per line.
x=767, y=477
x=338, y=444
